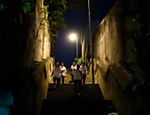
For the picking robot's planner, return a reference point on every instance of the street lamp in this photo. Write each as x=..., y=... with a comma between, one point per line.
x=73, y=37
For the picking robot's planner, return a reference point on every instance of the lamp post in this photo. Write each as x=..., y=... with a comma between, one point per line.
x=91, y=42
x=73, y=37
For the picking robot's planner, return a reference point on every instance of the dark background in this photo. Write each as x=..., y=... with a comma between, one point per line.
x=65, y=49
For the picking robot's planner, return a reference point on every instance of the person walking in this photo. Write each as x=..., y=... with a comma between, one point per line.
x=57, y=75
x=83, y=70
x=73, y=67
x=77, y=80
x=63, y=72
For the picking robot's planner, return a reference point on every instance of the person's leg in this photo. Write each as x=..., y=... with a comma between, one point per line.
x=79, y=86
x=75, y=86
x=71, y=81
x=62, y=80
x=80, y=82
x=54, y=80
x=81, y=79
x=58, y=82
x=84, y=78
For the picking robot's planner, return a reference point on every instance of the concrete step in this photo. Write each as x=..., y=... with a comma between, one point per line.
x=62, y=101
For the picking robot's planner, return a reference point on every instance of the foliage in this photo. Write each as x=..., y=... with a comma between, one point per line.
x=1, y=7
x=28, y=5
x=56, y=9
x=79, y=60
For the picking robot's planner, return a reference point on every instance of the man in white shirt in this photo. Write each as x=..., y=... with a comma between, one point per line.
x=73, y=67
x=63, y=72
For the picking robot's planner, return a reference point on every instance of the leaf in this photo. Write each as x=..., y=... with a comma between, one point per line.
x=27, y=7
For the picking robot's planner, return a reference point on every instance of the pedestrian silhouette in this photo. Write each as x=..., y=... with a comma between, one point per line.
x=83, y=70
x=63, y=72
x=73, y=67
x=56, y=75
x=77, y=80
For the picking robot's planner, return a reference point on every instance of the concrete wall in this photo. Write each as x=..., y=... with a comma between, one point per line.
x=42, y=40
x=36, y=84
x=50, y=67
x=118, y=68
x=25, y=51
x=31, y=89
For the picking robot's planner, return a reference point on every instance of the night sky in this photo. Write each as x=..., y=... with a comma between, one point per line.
x=65, y=49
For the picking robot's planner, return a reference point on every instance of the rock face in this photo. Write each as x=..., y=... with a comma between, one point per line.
x=121, y=56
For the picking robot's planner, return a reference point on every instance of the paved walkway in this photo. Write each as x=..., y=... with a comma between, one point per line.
x=62, y=101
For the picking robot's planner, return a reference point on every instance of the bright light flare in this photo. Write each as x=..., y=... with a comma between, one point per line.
x=72, y=36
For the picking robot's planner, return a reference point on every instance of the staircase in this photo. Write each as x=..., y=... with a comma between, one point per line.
x=62, y=101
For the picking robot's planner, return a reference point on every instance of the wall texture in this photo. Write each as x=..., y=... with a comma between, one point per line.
x=36, y=84
x=120, y=45
x=42, y=40
x=25, y=54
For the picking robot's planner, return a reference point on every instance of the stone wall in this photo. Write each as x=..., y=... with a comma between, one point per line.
x=36, y=86
x=42, y=36
x=118, y=48
x=25, y=56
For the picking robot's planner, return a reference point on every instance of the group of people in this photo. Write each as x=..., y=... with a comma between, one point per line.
x=77, y=72
x=59, y=73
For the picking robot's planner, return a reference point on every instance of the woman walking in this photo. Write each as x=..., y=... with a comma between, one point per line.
x=57, y=75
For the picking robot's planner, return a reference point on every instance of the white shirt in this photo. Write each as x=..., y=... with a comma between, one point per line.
x=76, y=75
x=63, y=71
x=83, y=69
x=73, y=67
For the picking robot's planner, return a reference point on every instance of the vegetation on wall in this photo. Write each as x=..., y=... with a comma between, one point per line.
x=28, y=5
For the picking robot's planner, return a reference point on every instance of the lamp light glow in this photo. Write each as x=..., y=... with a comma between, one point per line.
x=72, y=36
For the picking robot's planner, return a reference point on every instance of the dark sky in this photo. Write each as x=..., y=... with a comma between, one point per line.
x=65, y=49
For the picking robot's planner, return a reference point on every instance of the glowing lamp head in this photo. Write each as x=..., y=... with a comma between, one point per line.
x=73, y=37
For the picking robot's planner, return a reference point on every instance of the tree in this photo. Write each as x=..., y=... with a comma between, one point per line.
x=56, y=8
